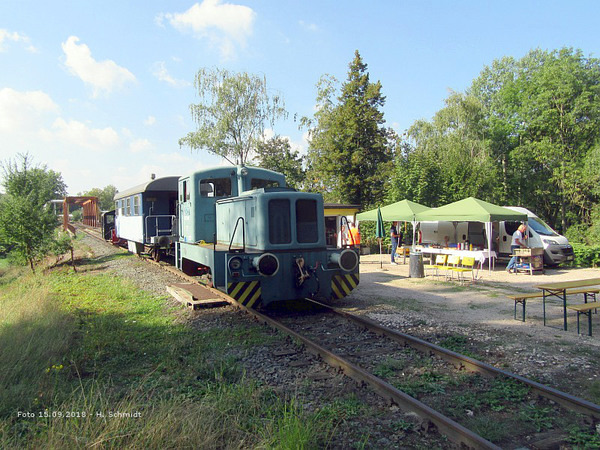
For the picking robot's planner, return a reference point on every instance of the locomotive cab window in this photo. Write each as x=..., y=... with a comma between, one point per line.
x=217, y=187
x=257, y=183
x=306, y=221
x=185, y=195
x=279, y=221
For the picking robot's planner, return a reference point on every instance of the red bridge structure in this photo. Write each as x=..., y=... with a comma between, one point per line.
x=91, y=212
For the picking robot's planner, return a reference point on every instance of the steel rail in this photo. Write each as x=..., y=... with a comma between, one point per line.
x=448, y=427
x=569, y=401
x=453, y=430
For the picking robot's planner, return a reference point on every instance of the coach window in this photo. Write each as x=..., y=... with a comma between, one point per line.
x=257, y=183
x=215, y=187
x=136, y=205
x=306, y=221
x=128, y=208
x=279, y=221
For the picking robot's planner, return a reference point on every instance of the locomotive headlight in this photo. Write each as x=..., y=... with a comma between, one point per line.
x=235, y=263
x=267, y=264
x=347, y=259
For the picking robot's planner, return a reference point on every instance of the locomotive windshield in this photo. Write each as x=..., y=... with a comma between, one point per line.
x=279, y=221
x=257, y=183
x=217, y=187
x=306, y=221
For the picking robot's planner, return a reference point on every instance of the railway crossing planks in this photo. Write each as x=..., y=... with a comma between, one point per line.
x=195, y=296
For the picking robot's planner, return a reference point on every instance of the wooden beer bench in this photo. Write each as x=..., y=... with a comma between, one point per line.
x=522, y=299
x=586, y=310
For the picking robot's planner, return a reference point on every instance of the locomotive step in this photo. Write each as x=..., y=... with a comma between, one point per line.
x=194, y=296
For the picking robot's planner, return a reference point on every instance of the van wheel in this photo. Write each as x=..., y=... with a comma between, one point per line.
x=549, y=262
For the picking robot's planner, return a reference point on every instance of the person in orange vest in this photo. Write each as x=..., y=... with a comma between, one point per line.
x=354, y=237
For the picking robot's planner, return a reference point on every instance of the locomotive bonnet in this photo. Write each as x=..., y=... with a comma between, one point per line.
x=258, y=240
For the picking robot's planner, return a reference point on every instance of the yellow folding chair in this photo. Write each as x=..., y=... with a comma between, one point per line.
x=453, y=262
x=467, y=265
x=440, y=263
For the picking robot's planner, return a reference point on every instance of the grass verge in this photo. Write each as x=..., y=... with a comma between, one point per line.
x=90, y=361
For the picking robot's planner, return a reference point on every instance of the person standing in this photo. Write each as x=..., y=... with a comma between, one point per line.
x=518, y=241
x=343, y=235
x=354, y=236
x=394, y=238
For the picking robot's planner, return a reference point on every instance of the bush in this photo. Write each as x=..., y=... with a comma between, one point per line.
x=577, y=233
x=586, y=255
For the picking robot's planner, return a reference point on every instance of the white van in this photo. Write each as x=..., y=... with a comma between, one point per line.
x=556, y=247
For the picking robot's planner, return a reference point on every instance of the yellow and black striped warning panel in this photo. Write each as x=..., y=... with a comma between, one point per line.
x=342, y=285
x=245, y=292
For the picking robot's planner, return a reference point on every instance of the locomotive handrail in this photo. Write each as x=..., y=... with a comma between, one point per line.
x=243, y=235
x=235, y=199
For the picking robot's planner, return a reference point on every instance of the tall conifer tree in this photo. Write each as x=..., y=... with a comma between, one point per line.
x=350, y=154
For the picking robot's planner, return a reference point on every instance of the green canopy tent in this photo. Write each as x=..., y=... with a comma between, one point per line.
x=472, y=210
x=404, y=210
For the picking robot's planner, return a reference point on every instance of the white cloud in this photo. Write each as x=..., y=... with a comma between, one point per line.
x=160, y=71
x=21, y=110
x=140, y=145
x=6, y=36
x=223, y=24
x=80, y=135
x=308, y=26
x=103, y=76
x=151, y=120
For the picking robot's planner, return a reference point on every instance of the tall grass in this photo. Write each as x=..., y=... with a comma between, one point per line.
x=76, y=348
x=35, y=334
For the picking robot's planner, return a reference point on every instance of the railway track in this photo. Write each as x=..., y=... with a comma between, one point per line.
x=381, y=358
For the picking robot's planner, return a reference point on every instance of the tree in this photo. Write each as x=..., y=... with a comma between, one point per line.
x=27, y=224
x=232, y=113
x=277, y=154
x=543, y=122
x=350, y=153
x=448, y=158
x=105, y=196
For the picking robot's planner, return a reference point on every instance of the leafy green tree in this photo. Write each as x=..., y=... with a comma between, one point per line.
x=277, y=154
x=350, y=154
x=448, y=158
x=232, y=113
x=27, y=224
x=543, y=122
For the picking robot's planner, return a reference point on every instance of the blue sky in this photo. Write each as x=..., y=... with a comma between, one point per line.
x=100, y=90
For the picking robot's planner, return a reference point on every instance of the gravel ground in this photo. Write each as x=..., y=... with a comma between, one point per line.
x=430, y=309
x=483, y=312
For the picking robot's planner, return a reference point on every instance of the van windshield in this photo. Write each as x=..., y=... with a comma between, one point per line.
x=540, y=227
